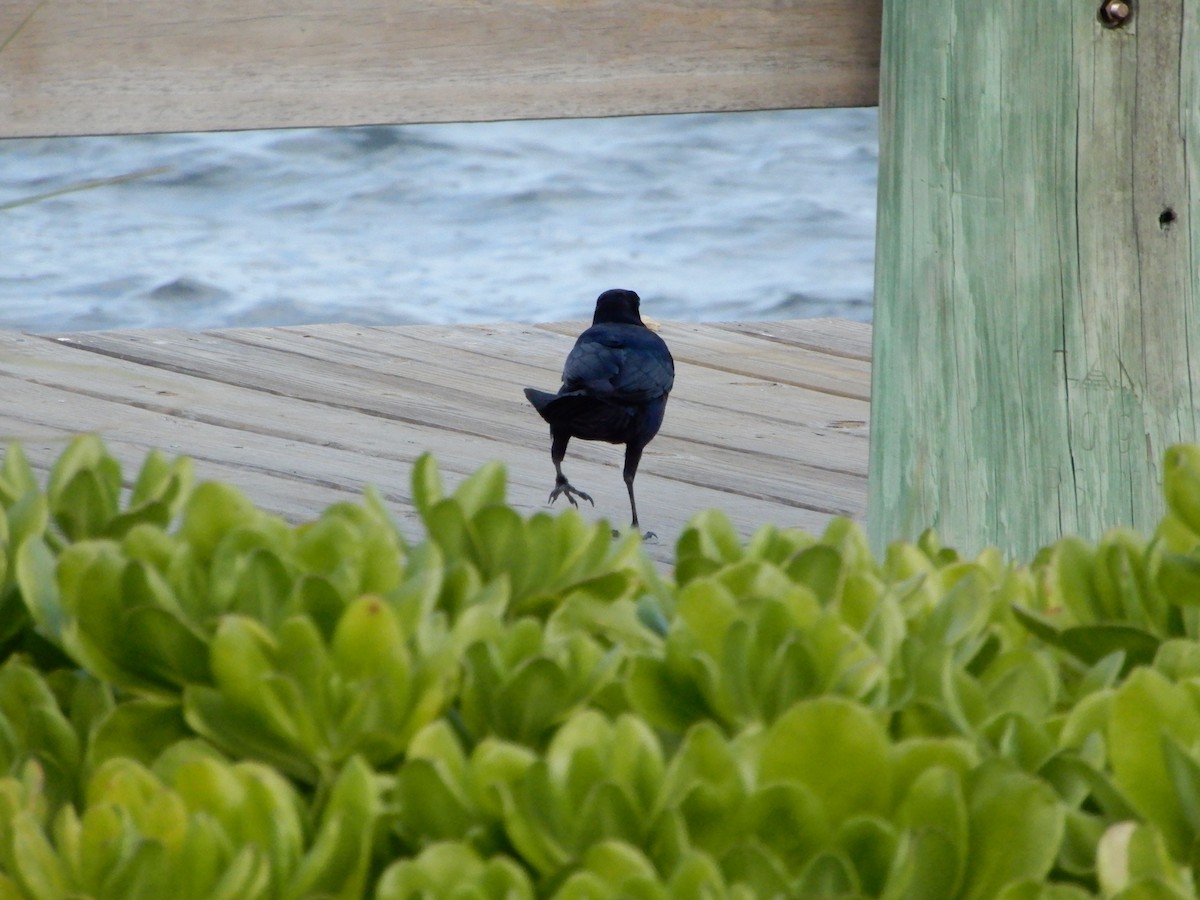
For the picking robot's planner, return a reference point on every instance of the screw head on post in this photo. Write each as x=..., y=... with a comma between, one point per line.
x=1114, y=13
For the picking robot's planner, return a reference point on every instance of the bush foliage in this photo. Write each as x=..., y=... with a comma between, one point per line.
x=198, y=699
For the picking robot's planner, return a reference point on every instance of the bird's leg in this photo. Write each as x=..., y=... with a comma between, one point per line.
x=633, y=456
x=558, y=449
x=562, y=486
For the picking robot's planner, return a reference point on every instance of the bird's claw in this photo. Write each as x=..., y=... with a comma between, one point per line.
x=565, y=487
x=646, y=536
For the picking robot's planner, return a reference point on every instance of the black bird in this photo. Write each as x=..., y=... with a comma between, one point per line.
x=615, y=386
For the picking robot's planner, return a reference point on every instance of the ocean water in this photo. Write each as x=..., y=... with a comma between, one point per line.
x=764, y=215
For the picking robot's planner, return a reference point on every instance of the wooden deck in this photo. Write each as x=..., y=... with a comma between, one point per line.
x=768, y=421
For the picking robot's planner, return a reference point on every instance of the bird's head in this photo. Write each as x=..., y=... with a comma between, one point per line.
x=618, y=306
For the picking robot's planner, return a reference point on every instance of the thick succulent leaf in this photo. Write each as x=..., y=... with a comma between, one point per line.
x=1016, y=825
x=444, y=870
x=837, y=749
x=137, y=729
x=1145, y=709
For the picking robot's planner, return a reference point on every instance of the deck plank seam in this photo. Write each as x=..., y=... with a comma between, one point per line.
x=595, y=455
x=680, y=357
x=813, y=347
x=755, y=379
x=207, y=375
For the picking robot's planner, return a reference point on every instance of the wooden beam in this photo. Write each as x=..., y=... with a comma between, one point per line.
x=1037, y=334
x=128, y=66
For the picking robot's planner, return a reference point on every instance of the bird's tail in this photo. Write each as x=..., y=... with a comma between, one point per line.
x=586, y=417
x=539, y=399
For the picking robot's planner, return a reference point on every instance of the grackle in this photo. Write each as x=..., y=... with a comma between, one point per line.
x=615, y=386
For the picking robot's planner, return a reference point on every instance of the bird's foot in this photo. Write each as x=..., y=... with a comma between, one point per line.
x=645, y=536
x=564, y=487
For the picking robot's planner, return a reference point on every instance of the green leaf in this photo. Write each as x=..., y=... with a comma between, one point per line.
x=431, y=807
x=829, y=874
x=172, y=651
x=755, y=868
x=83, y=488
x=37, y=867
x=426, y=484
x=331, y=546
x=1035, y=890
x=705, y=784
x=1071, y=774
x=1184, y=772
x=254, y=809
x=368, y=644
x=162, y=481
x=212, y=511
x=1181, y=483
x=837, y=749
x=536, y=820
x=1038, y=625
x=708, y=536
x=697, y=875
x=1120, y=579
x=1016, y=827
x=254, y=710
x=665, y=697
x=820, y=568
x=1178, y=659
x=35, y=566
x=1071, y=587
x=707, y=609
x=787, y=820
x=1144, y=709
x=254, y=582
x=137, y=729
x=448, y=528
x=607, y=812
x=17, y=478
x=1133, y=863
x=616, y=862
x=484, y=487
x=932, y=858
x=869, y=843
x=500, y=546
x=241, y=732
x=445, y=870
x=1094, y=642
x=533, y=698
x=27, y=517
x=337, y=862
x=1082, y=833
x=1178, y=577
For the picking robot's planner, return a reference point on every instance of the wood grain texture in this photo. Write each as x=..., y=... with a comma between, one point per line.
x=119, y=66
x=301, y=417
x=1036, y=332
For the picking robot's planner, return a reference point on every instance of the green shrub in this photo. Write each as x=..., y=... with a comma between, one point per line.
x=200, y=699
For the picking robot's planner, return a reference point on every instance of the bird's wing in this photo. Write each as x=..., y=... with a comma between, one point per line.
x=624, y=363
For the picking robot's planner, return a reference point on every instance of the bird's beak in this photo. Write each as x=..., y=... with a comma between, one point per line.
x=650, y=323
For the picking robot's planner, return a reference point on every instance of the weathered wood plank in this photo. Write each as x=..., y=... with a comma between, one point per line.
x=743, y=354
x=1037, y=342
x=794, y=424
x=292, y=468
x=839, y=337
x=121, y=66
x=457, y=399
x=300, y=417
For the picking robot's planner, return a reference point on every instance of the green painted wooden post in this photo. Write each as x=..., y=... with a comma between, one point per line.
x=1037, y=305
